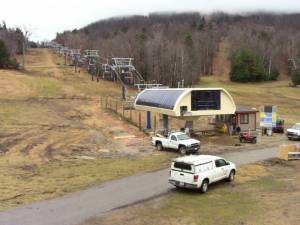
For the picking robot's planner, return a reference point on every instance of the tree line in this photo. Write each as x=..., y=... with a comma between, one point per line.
x=166, y=48
x=172, y=47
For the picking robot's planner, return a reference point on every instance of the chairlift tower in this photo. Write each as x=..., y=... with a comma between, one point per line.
x=57, y=48
x=76, y=58
x=92, y=58
x=107, y=72
x=126, y=70
x=123, y=70
x=54, y=45
x=64, y=51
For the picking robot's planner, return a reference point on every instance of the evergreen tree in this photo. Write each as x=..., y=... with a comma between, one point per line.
x=246, y=66
x=4, y=55
x=296, y=77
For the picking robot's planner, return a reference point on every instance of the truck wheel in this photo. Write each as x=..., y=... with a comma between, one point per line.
x=254, y=141
x=159, y=147
x=204, y=186
x=182, y=150
x=231, y=176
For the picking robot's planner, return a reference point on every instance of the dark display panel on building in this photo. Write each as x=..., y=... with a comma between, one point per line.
x=206, y=100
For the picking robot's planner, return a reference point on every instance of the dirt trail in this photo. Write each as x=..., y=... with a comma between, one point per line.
x=40, y=61
x=96, y=201
x=221, y=63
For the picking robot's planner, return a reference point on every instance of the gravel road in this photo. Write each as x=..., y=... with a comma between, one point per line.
x=79, y=206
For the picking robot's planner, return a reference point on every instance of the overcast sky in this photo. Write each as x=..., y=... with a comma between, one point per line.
x=48, y=17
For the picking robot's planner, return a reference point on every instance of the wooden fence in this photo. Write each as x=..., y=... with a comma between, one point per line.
x=127, y=112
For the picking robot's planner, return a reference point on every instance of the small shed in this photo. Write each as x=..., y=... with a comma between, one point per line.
x=244, y=117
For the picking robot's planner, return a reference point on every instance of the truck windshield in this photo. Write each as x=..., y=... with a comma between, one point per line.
x=182, y=137
x=296, y=127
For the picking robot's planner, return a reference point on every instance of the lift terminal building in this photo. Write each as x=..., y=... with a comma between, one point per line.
x=186, y=103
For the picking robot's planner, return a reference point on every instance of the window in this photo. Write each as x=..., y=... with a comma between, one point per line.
x=296, y=127
x=268, y=109
x=244, y=118
x=183, y=109
x=183, y=137
x=182, y=166
x=173, y=138
x=220, y=162
x=206, y=100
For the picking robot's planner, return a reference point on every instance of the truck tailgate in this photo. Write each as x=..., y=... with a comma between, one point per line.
x=181, y=176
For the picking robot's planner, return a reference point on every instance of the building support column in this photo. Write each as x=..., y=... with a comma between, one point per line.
x=189, y=126
x=165, y=122
x=148, y=120
x=123, y=94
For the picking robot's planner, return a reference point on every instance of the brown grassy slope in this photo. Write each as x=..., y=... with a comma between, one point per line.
x=54, y=137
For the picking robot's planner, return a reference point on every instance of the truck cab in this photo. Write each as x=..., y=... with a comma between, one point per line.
x=294, y=132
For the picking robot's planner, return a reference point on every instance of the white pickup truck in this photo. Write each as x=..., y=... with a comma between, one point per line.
x=198, y=171
x=294, y=132
x=179, y=141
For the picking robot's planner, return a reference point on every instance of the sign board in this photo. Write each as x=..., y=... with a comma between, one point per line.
x=268, y=116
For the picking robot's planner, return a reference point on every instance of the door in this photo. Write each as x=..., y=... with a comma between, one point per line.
x=220, y=170
x=173, y=142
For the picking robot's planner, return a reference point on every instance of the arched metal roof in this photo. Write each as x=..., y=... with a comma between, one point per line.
x=160, y=98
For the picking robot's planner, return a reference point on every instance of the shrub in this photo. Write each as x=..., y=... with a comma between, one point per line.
x=4, y=55
x=246, y=66
x=296, y=77
x=13, y=64
x=5, y=61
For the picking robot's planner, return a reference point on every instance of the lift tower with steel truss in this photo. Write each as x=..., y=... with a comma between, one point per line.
x=64, y=51
x=75, y=55
x=55, y=46
x=91, y=58
x=122, y=69
x=125, y=72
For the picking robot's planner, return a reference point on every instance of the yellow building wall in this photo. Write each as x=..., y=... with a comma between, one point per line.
x=227, y=106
